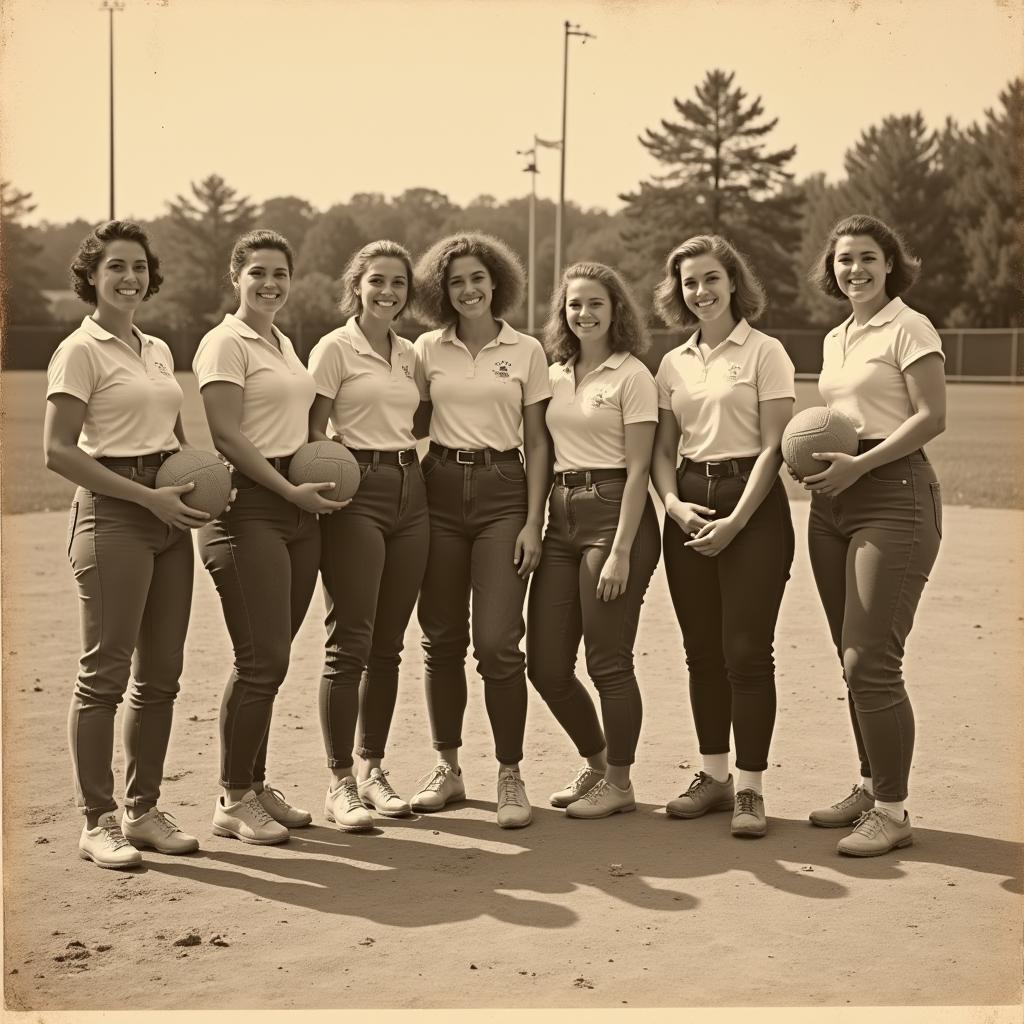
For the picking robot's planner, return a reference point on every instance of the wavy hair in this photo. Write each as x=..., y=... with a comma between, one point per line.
x=905, y=266
x=352, y=276
x=748, y=298
x=507, y=276
x=627, y=332
x=92, y=247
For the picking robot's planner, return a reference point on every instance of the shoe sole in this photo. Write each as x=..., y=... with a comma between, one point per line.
x=113, y=867
x=597, y=817
x=877, y=853
x=420, y=809
x=729, y=805
x=347, y=828
x=225, y=833
x=141, y=844
x=387, y=814
x=517, y=824
x=749, y=833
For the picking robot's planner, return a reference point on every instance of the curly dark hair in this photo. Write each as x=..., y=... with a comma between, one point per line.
x=748, y=299
x=905, y=266
x=348, y=286
x=91, y=250
x=507, y=276
x=252, y=241
x=627, y=332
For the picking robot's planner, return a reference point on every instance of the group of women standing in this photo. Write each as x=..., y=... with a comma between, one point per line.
x=514, y=443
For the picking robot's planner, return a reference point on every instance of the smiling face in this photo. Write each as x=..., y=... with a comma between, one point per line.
x=470, y=287
x=707, y=289
x=384, y=288
x=588, y=310
x=861, y=268
x=263, y=282
x=121, y=277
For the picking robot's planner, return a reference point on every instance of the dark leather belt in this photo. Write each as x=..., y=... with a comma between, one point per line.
x=281, y=463
x=139, y=462
x=470, y=457
x=586, y=477
x=727, y=467
x=405, y=457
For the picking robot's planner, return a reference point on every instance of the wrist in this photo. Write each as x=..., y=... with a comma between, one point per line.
x=533, y=523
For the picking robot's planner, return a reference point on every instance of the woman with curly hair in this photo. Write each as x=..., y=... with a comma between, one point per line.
x=373, y=552
x=876, y=517
x=112, y=417
x=725, y=396
x=486, y=386
x=601, y=545
x=264, y=554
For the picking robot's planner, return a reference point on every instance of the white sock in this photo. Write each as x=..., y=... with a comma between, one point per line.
x=865, y=784
x=895, y=811
x=717, y=766
x=748, y=780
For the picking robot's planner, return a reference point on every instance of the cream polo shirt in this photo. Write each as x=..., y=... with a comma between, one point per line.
x=715, y=401
x=588, y=423
x=862, y=367
x=478, y=403
x=374, y=401
x=131, y=401
x=277, y=391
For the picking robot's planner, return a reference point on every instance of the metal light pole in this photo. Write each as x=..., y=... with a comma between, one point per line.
x=570, y=30
x=531, y=277
x=110, y=6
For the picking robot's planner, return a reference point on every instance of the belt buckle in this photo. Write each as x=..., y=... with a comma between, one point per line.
x=707, y=469
x=410, y=452
x=469, y=460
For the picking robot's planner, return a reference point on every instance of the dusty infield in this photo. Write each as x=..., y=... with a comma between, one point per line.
x=448, y=910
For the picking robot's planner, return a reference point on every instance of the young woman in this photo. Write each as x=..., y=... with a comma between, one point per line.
x=725, y=395
x=264, y=553
x=876, y=517
x=486, y=385
x=373, y=552
x=601, y=544
x=112, y=416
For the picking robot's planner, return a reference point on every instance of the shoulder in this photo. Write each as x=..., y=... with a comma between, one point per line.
x=914, y=323
x=429, y=340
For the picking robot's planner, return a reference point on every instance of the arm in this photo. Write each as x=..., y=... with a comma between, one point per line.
x=715, y=537
x=62, y=426
x=537, y=450
x=926, y=385
x=319, y=414
x=223, y=403
x=614, y=576
x=421, y=420
x=689, y=516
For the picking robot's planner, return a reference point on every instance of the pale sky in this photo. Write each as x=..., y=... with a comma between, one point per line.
x=325, y=98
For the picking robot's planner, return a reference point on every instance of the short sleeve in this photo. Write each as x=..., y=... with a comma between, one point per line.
x=776, y=374
x=915, y=337
x=537, y=386
x=663, y=382
x=639, y=398
x=327, y=366
x=221, y=357
x=71, y=372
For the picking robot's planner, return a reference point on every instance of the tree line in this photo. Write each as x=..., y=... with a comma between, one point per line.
x=954, y=193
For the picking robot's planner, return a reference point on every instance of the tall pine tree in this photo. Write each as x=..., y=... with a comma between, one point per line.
x=721, y=178
x=21, y=301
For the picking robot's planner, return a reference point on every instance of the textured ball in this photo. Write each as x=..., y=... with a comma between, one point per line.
x=818, y=429
x=211, y=477
x=322, y=462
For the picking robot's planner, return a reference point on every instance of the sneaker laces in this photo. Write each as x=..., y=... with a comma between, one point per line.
x=434, y=779
x=595, y=794
x=848, y=801
x=259, y=813
x=870, y=823
x=381, y=782
x=277, y=796
x=700, y=780
x=510, y=788
x=350, y=790
x=582, y=776
x=166, y=821
x=115, y=836
x=746, y=802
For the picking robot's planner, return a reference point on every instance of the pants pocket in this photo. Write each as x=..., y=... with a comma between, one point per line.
x=72, y=523
x=936, y=489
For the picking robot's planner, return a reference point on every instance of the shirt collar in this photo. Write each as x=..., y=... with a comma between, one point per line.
x=94, y=330
x=354, y=335
x=243, y=330
x=738, y=336
x=613, y=362
x=506, y=334
x=885, y=315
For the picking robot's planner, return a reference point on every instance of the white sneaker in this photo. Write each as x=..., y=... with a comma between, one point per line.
x=106, y=845
x=344, y=807
x=248, y=821
x=586, y=779
x=376, y=793
x=159, y=831
x=603, y=800
x=441, y=785
x=514, y=810
x=280, y=810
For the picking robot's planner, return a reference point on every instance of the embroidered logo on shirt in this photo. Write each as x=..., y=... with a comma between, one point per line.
x=163, y=369
x=599, y=398
x=501, y=369
x=733, y=373
x=407, y=371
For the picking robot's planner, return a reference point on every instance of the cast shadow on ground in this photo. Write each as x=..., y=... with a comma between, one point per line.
x=391, y=877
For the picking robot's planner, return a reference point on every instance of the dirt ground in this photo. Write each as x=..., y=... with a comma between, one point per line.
x=447, y=910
